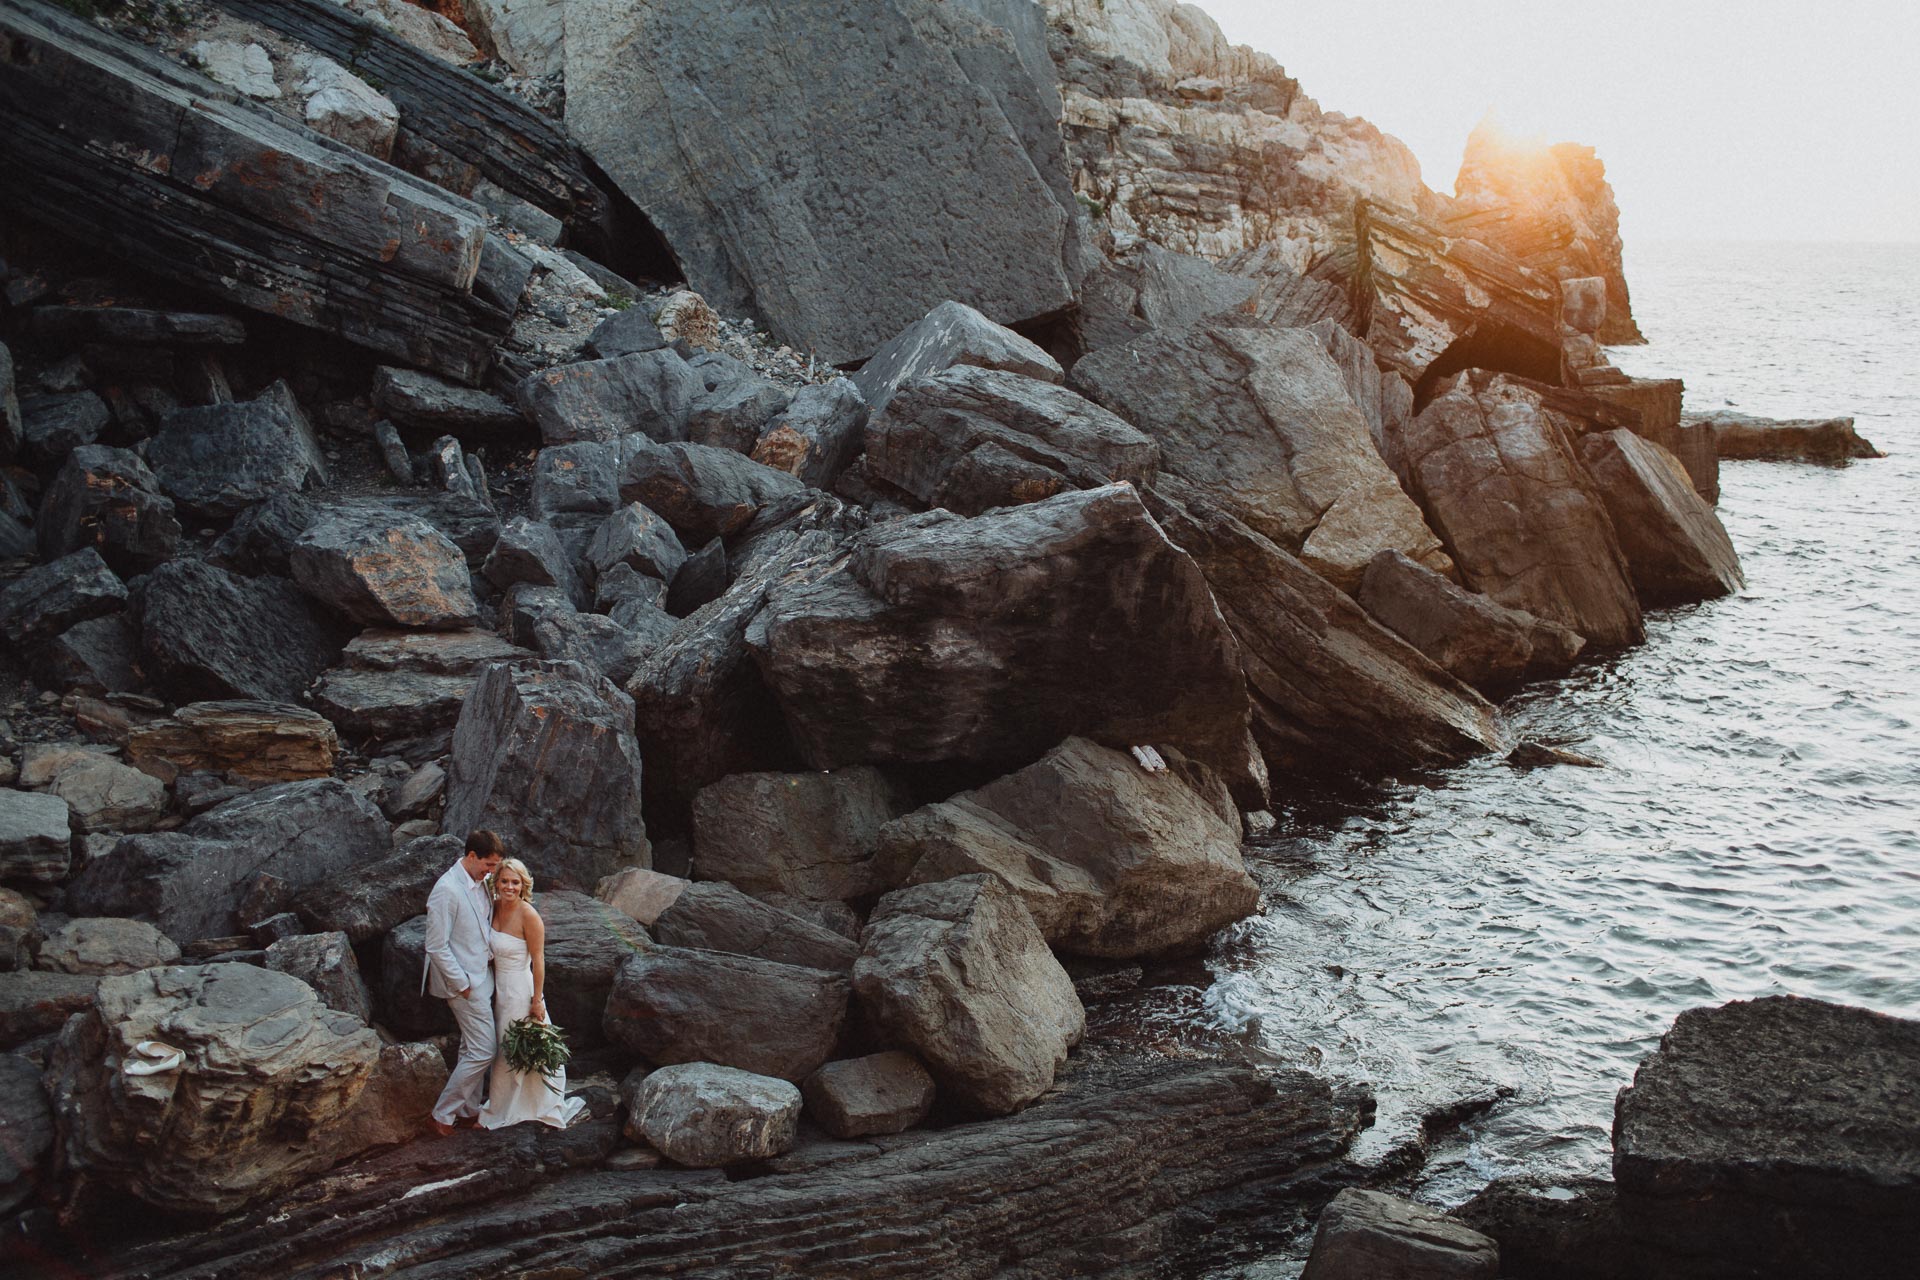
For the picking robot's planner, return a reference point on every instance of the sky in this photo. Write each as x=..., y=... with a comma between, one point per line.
x=1717, y=120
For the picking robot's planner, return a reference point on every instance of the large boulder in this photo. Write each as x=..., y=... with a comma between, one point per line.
x=969, y=438
x=674, y=1005
x=1502, y=484
x=208, y=633
x=603, y=400
x=385, y=571
x=1330, y=687
x=938, y=638
x=586, y=941
x=258, y=741
x=1369, y=1235
x=880, y=1093
x=402, y=685
x=36, y=836
x=379, y=896
x=103, y=946
x=106, y=498
x=49, y=598
x=951, y=334
x=1481, y=642
x=216, y=459
x=958, y=972
x=1261, y=420
x=34, y=1002
x=706, y=1116
x=1676, y=548
x=325, y=962
x=711, y=916
x=268, y=1072
x=401, y=998
x=908, y=176
x=704, y=492
x=191, y=882
x=105, y=795
x=1775, y=1137
x=812, y=835
x=1111, y=860
x=818, y=434
x=544, y=753
x=529, y=551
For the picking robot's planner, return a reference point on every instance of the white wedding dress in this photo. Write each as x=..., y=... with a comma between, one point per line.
x=513, y=1096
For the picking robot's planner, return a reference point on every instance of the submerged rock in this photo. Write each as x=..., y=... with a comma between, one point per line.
x=1740, y=436
x=1368, y=1235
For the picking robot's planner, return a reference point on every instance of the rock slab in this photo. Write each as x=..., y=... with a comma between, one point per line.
x=1368, y=1235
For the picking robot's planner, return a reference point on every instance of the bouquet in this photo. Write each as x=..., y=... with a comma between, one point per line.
x=531, y=1047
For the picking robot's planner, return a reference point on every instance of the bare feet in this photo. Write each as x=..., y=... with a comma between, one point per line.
x=440, y=1127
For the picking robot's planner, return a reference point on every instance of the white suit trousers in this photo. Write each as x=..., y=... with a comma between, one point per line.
x=467, y=1085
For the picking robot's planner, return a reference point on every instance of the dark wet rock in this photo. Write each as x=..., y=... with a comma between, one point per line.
x=380, y=895
x=602, y=400
x=968, y=439
x=401, y=998
x=26, y=1130
x=530, y=552
x=52, y=426
x=12, y=432
x=706, y=1116
x=49, y=598
x=933, y=186
x=36, y=836
x=1503, y=485
x=636, y=537
x=714, y=916
x=812, y=835
x=1569, y=1230
x=732, y=413
x=703, y=492
x=1111, y=860
x=958, y=973
x=422, y=402
x=1739, y=436
x=191, y=882
x=1775, y=1137
x=382, y=571
x=206, y=633
x=106, y=498
x=1676, y=548
x=1542, y=755
x=100, y=655
x=259, y=741
x=34, y=1002
x=952, y=333
x=217, y=459
x=674, y=1005
x=544, y=753
x=1484, y=644
x=1368, y=1235
x=937, y=638
x=325, y=962
x=817, y=435
x=395, y=685
x=269, y=1072
x=136, y=326
x=262, y=537
x=880, y=1093
x=625, y=333
x=586, y=941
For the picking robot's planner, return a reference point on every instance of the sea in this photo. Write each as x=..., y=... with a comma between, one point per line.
x=1517, y=941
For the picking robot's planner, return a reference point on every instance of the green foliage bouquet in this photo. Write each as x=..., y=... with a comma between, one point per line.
x=532, y=1046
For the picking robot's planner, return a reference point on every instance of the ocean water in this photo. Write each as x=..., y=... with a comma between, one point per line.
x=1525, y=937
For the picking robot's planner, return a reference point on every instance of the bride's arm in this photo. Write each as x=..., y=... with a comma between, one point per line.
x=537, y=953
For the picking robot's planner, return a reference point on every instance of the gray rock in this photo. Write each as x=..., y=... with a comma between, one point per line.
x=469, y=522
x=1502, y=485
x=672, y=1005
x=625, y=333
x=918, y=189
x=1111, y=860
x=952, y=333
x=1774, y=1137
x=713, y=916
x=958, y=973
x=269, y=1071
x=217, y=459
x=395, y=685
x=191, y=882
x=100, y=655
x=393, y=452
x=1151, y=287
x=703, y=492
x=612, y=647
x=707, y=1117
x=813, y=835
x=49, y=598
x=33, y=1002
x=1485, y=644
x=937, y=638
x=262, y=536
x=1369, y=1235
x=819, y=433
x=420, y=792
x=640, y=893
x=379, y=896
x=636, y=537
x=1676, y=548
x=700, y=580
x=587, y=940
x=255, y=741
x=342, y=106
x=385, y=572
x=603, y=400
x=880, y=1093
x=402, y=1004
x=422, y=402
x=36, y=837
x=52, y=426
x=12, y=432
x=623, y=588
x=732, y=414
x=530, y=552
x=968, y=439
x=325, y=962
x=206, y=633
x=544, y=753
x=575, y=485
x=103, y=794
x=26, y=1130
x=106, y=498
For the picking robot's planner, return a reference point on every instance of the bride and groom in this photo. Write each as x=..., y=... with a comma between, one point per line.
x=486, y=959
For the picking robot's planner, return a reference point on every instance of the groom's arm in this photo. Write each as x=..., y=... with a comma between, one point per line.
x=440, y=940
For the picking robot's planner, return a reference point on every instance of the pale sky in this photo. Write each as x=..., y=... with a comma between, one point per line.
x=1716, y=119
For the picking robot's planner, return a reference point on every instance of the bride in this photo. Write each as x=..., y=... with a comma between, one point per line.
x=519, y=980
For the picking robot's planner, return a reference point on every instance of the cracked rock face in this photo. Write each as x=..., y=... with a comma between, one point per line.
x=268, y=1070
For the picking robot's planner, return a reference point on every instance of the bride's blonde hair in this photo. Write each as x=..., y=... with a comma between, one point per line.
x=519, y=868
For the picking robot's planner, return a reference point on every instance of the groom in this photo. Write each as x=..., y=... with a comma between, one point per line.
x=459, y=956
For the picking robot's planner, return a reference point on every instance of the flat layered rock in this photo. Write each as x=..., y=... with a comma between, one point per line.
x=812, y=835
x=49, y=598
x=674, y=1005
x=383, y=571
x=36, y=836
x=206, y=633
x=422, y=402
x=105, y=795
x=259, y=741
x=102, y=946
x=1676, y=548
x=1740, y=436
x=408, y=686
x=218, y=459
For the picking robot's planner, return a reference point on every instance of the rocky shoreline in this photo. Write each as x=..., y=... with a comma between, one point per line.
x=875, y=543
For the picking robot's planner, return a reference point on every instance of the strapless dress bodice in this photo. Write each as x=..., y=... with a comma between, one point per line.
x=509, y=952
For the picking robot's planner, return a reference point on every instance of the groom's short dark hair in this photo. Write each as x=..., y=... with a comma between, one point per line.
x=485, y=844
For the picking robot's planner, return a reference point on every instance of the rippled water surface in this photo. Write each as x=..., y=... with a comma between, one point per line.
x=1754, y=829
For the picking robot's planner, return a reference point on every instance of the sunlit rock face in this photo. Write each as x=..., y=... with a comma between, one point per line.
x=1549, y=206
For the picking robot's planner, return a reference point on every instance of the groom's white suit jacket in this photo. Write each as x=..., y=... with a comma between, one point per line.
x=459, y=947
